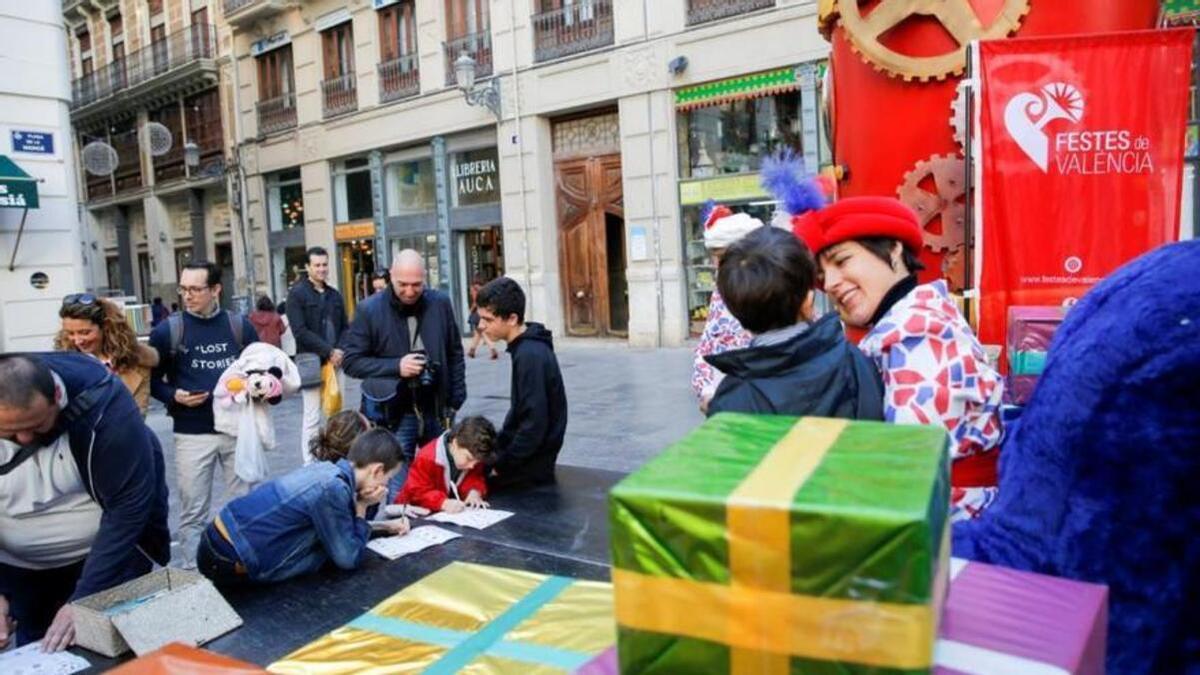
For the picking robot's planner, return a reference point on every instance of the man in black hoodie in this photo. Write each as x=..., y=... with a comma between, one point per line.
x=794, y=365
x=533, y=430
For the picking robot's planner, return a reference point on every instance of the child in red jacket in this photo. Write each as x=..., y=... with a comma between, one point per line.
x=448, y=473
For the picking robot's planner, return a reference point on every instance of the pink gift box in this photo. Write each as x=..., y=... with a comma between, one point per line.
x=1000, y=621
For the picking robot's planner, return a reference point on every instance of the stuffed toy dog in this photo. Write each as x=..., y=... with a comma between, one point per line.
x=1098, y=481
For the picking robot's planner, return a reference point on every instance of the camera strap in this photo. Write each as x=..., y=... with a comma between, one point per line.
x=415, y=343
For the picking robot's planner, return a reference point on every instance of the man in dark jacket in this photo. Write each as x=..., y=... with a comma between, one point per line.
x=406, y=347
x=793, y=366
x=317, y=316
x=83, y=495
x=533, y=431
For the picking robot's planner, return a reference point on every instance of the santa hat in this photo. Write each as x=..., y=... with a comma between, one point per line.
x=722, y=227
x=858, y=218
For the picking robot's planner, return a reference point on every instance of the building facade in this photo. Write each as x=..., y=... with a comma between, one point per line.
x=616, y=120
x=150, y=92
x=40, y=243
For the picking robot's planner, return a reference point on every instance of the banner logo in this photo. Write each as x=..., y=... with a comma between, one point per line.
x=1027, y=114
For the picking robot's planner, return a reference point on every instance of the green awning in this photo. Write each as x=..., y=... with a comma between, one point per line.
x=18, y=190
x=1180, y=12
x=755, y=85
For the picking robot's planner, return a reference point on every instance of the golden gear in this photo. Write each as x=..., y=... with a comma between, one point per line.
x=944, y=203
x=826, y=15
x=957, y=17
x=958, y=115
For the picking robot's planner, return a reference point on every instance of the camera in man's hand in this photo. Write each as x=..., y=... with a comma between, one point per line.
x=428, y=376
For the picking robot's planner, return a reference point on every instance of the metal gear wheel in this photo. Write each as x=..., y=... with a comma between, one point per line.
x=957, y=17
x=947, y=177
x=958, y=116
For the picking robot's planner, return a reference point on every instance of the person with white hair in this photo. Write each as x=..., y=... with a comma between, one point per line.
x=722, y=332
x=406, y=347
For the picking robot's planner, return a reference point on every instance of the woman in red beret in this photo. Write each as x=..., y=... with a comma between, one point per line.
x=933, y=367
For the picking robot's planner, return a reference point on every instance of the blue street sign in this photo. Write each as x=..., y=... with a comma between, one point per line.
x=33, y=142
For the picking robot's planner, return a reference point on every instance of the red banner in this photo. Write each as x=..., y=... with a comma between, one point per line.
x=1081, y=163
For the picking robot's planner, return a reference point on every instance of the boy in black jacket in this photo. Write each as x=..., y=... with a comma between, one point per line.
x=794, y=365
x=533, y=430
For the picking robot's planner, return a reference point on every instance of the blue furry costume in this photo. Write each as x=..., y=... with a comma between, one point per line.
x=1100, y=479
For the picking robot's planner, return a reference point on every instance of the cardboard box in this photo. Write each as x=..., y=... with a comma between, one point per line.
x=166, y=605
x=769, y=543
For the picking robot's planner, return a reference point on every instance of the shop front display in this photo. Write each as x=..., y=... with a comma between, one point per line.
x=725, y=129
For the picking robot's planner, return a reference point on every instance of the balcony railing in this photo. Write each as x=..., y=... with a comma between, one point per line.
x=399, y=78
x=231, y=6
x=575, y=28
x=478, y=46
x=339, y=95
x=177, y=49
x=702, y=11
x=276, y=114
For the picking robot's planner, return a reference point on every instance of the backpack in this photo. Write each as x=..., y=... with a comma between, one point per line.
x=175, y=326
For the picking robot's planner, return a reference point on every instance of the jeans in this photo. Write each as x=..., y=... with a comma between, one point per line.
x=210, y=562
x=35, y=596
x=196, y=455
x=406, y=434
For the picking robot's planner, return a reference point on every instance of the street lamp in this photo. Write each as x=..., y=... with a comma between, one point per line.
x=487, y=95
x=191, y=155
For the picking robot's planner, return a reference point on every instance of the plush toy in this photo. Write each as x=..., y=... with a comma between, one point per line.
x=262, y=375
x=1098, y=480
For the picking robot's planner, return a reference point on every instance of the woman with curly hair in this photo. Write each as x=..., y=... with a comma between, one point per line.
x=97, y=327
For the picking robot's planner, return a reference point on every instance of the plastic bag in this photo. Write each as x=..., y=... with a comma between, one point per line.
x=249, y=457
x=331, y=391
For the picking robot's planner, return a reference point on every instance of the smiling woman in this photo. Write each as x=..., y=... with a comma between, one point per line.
x=934, y=369
x=97, y=327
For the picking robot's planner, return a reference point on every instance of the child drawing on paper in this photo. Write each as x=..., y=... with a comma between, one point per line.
x=448, y=474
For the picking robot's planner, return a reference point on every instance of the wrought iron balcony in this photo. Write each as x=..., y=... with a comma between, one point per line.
x=703, y=11
x=399, y=78
x=339, y=95
x=478, y=46
x=276, y=114
x=578, y=27
x=181, y=62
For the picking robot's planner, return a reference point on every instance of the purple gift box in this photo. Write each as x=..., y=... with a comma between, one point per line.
x=1030, y=331
x=1000, y=620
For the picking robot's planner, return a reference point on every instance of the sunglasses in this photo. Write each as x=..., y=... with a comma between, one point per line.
x=79, y=299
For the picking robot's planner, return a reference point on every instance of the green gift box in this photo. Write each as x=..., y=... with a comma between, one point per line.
x=769, y=544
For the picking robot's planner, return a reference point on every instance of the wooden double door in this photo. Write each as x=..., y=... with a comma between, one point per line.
x=591, y=245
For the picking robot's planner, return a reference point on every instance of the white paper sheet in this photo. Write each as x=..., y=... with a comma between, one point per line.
x=29, y=660
x=476, y=518
x=418, y=539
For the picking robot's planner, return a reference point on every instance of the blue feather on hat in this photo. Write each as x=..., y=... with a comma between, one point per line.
x=706, y=211
x=783, y=177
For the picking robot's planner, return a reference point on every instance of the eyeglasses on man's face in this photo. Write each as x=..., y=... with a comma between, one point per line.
x=193, y=290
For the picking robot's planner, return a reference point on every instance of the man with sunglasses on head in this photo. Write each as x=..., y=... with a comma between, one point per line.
x=83, y=499
x=195, y=346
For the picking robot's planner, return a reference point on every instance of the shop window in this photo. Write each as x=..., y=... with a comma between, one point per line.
x=352, y=191
x=285, y=200
x=701, y=268
x=410, y=187
x=733, y=137
x=287, y=267
x=475, y=177
x=427, y=246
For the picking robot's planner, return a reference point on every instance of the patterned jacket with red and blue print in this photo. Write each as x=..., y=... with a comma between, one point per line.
x=935, y=372
x=722, y=333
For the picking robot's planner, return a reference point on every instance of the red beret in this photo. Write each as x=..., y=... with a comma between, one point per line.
x=858, y=218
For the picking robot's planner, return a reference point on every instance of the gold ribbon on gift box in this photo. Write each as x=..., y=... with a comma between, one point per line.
x=756, y=614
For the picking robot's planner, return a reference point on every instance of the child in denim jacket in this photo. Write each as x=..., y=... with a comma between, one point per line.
x=298, y=523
